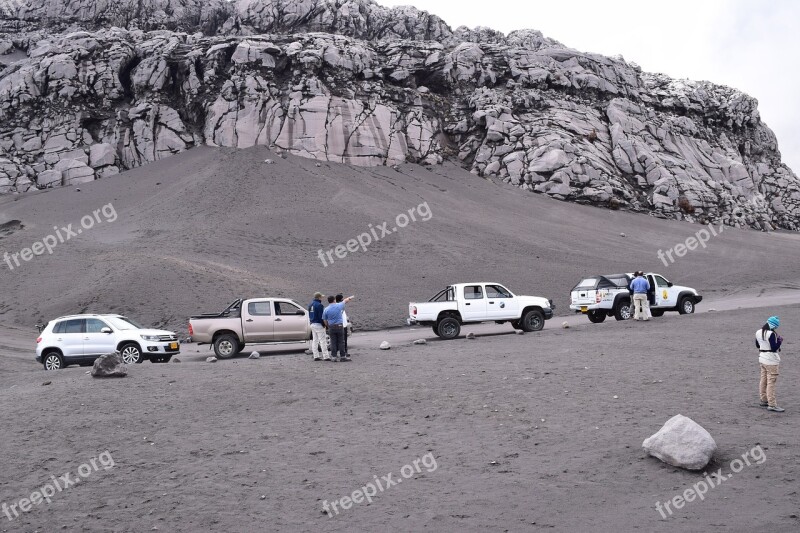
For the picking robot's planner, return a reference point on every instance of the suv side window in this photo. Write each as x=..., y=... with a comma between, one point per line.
x=496, y=291
x=94, y=325
x=74, y=325
x=473, y=292
x=285, y=308
x=60, y=327
x=259, y=308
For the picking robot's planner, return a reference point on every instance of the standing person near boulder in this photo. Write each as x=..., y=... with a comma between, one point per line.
x=769, y=343
x=640, y=287
x=332, y=316
x=315, y=311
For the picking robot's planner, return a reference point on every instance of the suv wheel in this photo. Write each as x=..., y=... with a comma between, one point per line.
x=448, y=328
x=657, y=312
x=226, y=346
x=53, y=361
x=595, y=317
x=131, y=354
x=686, y=306
x=533, y=320
x=623, y=310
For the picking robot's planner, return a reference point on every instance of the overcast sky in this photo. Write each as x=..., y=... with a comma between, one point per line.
x=752, y=45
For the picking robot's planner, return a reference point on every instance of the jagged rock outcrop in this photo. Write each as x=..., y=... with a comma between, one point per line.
x=95, y=87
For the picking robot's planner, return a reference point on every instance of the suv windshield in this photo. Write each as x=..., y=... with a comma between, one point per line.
x=123, y=323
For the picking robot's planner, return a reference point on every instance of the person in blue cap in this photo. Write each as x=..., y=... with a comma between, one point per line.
x=769, y=343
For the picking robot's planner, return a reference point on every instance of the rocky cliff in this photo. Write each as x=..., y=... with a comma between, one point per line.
x=92, y=87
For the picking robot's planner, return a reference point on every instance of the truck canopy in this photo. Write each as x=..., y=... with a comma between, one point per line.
x=606, y=281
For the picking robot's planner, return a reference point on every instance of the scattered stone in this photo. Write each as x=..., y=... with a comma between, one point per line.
x=255, y=355
x=622, y=235
x=420, y=341
x=211, y=359
x=565, y=325
x=47, y=383
x=109, y=365
x=520, y=332
x=318, y=165
x=385, y=345
x=682, y=442
x=269, y=161
x=471, y=335
x=616, y=397
x=176, y=360
x=711, y=310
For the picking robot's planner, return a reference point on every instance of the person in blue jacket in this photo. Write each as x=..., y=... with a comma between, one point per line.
x=315, y=311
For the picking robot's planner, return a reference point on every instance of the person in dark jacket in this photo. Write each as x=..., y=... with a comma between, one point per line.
x=315, y=311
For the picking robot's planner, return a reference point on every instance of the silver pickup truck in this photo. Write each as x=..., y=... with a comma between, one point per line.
x=253, y=321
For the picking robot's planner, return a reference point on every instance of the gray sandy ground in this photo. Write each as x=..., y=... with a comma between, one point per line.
x=200, y=229
x=526, y=432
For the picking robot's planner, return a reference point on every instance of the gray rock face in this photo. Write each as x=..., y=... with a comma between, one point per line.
x=98, y=87
x=109, y=365
x=682, y=442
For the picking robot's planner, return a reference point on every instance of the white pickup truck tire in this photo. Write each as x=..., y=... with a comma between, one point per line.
x=596, y=316
x=532, y=320
x=448, y=328
x=623, y=310
x=686, y=306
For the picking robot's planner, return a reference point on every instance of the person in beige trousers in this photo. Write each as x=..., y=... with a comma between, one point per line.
x=769, y=343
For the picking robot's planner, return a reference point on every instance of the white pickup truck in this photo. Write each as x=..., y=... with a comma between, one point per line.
x=600, y=296
x=469, y=303
x=253, y=321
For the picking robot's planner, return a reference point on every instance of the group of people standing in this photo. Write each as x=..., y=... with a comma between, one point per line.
x=333, y=321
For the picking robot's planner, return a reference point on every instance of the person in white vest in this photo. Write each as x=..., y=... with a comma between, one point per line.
x=769, y=343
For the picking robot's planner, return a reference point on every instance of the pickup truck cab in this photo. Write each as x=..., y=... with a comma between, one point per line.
x=252, y=321
x=607, y=295
x=470, y=303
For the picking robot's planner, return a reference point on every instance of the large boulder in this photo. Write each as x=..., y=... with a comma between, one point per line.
x=682, y=442
x=109, y=365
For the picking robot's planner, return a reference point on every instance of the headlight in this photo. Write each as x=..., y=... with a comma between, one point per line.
x=150, y=337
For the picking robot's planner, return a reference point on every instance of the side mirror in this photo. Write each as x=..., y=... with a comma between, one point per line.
x=106, y=330
x=669, y=284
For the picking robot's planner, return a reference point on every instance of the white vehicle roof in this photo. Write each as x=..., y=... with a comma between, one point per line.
x=89, y=315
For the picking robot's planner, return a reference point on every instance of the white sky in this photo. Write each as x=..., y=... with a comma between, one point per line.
x=752, y=45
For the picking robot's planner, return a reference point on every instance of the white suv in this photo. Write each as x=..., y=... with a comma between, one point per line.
x=80, y=339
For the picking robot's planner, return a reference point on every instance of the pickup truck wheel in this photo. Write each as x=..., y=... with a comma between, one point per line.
x=435, y=329
x=448, y=328
x=623, y=311
x=657, y=312
x=595, y=317
x=686, y=306
x=532, y=321
x=226, y=346
x=131, y=354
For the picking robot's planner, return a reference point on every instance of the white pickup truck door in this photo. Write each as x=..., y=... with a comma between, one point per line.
x=258, y=321
x=500, y=304
x=666, y=296
x=474, y=303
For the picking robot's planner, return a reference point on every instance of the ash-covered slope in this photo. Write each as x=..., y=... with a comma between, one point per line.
x=93, y=88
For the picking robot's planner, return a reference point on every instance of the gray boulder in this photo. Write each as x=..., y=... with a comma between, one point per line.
x=682, y=442
x=109, y=365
